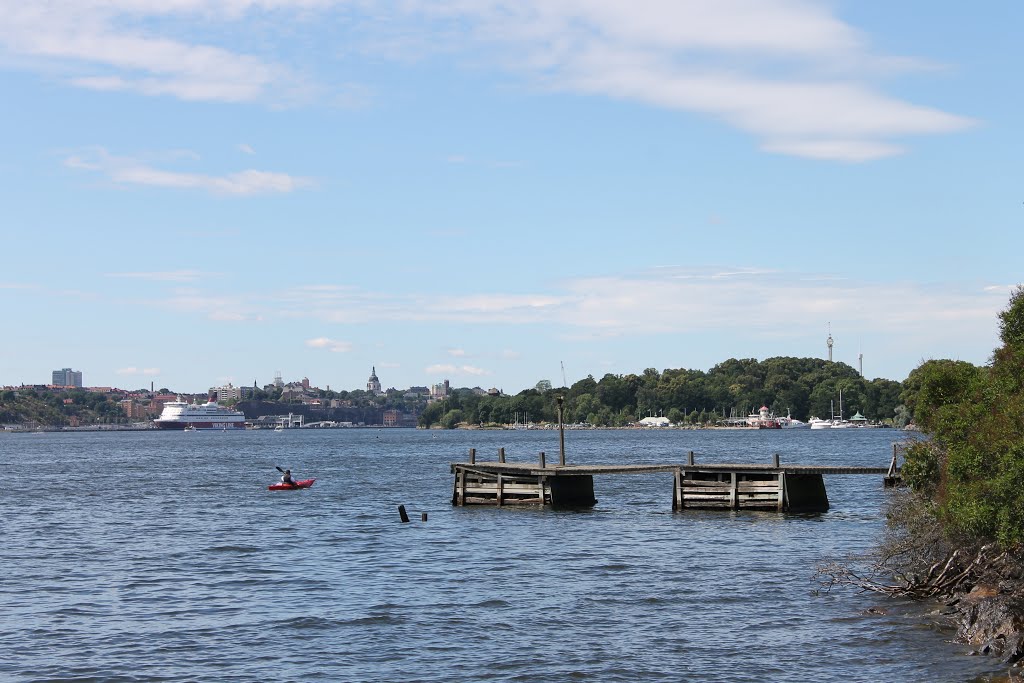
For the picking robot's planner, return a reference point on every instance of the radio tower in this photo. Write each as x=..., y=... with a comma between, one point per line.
x=829, y=342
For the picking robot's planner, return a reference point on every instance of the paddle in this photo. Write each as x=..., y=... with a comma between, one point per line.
x=294, y=483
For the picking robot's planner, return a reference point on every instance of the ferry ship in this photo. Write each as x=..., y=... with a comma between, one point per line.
x=181, y=415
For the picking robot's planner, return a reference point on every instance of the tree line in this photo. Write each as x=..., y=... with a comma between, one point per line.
x=798, y=387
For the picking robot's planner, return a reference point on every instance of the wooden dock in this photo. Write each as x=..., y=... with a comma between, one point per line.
x=730, y=486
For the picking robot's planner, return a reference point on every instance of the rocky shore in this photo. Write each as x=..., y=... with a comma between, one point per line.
x=990, y=618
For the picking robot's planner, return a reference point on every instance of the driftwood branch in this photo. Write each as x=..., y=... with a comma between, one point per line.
x=958, y=573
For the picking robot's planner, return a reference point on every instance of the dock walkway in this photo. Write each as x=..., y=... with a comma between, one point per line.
x=769, y=486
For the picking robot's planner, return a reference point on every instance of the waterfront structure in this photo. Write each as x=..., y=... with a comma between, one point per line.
x=66, y=377
x=722, y=486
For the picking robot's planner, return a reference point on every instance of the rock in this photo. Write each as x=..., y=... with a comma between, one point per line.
x=993, y=620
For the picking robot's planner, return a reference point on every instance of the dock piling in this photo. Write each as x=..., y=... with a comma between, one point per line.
x=561, y=435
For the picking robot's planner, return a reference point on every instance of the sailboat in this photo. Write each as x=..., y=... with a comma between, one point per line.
x=841, y=423
x=834, y=422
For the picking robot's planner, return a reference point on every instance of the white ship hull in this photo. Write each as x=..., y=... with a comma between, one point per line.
x=208, y=416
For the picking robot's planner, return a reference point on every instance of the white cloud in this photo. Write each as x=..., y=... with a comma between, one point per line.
x=663, y=300
x=164, y=276
x=455, y=370
x=712, y=57
x=246, y=149
x=127, y=171
x=212, y=306
x=823, y=98
x=330, y=345
x=133, y=371
x=95, y=41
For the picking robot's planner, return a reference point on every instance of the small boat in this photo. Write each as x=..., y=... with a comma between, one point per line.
x=299, y=484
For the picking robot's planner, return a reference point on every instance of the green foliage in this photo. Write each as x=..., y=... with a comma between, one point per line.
x=1011, y=321
x=55, y=408
x=973, y=468
x=922, y=466
x=452, y=419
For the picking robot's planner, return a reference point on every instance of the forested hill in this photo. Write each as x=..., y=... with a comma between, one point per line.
x=800, y=387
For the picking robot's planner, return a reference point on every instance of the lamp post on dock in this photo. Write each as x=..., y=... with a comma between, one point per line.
x=561, y=435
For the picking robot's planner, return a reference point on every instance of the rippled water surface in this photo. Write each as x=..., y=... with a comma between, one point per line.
x=155, y=556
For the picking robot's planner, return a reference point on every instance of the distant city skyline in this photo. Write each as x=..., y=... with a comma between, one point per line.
x=484, y=192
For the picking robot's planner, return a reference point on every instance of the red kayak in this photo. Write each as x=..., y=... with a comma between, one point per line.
x=299, y=484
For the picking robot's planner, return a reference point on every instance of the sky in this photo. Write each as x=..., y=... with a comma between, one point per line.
x=197, y=192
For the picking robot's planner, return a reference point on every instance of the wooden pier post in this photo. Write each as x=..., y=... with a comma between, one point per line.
x=775, y=460
x=677, y=490
x=689, y=459
x=892, y=477
x=472, y=456
x=561, y=435
x=542, y=464
x=501, y=454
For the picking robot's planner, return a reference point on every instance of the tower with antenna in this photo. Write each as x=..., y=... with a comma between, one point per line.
x=860, y=362
x=829, y=342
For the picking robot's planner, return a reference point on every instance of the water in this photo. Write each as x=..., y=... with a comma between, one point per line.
x=160, y=556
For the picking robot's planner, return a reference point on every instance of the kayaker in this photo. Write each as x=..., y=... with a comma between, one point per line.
x=286, y=478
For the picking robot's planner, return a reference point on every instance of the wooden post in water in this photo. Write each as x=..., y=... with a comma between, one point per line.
x=677, y=490
x=892, y=477
x=561, y=435
x=542, y=459
x=689, y=459
x=501, y=454
x=472, y=456
x=775, y=460
x=402, y=513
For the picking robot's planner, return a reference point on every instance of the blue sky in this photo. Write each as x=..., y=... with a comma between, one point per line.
x=485, y=191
